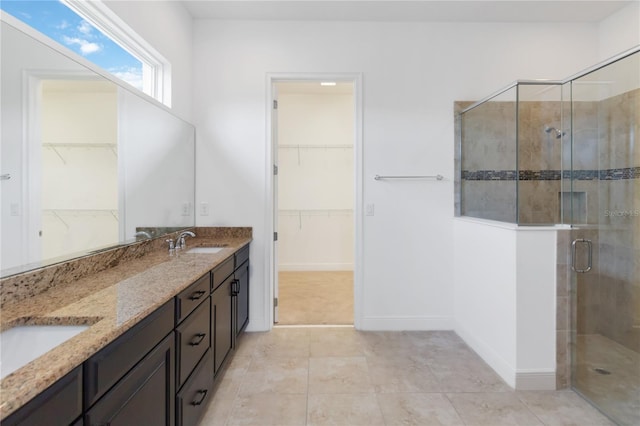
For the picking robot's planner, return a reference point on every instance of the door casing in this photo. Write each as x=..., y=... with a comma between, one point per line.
x=271, y=214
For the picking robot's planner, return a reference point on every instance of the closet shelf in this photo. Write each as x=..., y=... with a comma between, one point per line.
x=55, y=146
x=60, y=214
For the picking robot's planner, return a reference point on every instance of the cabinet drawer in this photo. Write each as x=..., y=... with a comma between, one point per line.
x=144, y=396
x=222, y=272
x=105, y=368
x=193, y=338
x=192, y=400
x=60, y=404
x=242, y=256
x=192, y=296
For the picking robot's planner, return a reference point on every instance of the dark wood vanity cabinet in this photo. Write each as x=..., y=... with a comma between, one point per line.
x=110, y=364
x=60, y=404
x=222, y=322
x=193, y=398
x=192, y=340
x=144, y=396
x=241, y=276
x=164, y=369
x=132, y=380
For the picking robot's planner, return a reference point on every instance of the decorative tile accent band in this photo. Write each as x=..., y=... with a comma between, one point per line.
x=609, y=174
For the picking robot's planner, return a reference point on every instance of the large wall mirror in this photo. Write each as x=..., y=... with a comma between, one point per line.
x=86, y=163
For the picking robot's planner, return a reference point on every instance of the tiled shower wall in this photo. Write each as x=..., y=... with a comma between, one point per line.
x=492, y=162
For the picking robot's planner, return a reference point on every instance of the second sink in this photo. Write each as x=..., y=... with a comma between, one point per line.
x=207, y=250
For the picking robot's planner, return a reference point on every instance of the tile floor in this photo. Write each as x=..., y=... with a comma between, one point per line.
x=617, y=392
x=339, y=376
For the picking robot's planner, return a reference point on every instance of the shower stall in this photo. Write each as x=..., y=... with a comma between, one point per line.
x=565, y=154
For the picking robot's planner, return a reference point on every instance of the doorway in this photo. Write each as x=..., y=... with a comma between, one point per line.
x=314, y=144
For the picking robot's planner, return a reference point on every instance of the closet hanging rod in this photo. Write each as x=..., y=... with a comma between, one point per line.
x=436, y=177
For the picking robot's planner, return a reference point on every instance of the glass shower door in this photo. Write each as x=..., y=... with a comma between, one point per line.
x=605, y=214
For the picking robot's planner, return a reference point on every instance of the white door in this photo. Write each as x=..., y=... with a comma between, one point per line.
x=274, y=147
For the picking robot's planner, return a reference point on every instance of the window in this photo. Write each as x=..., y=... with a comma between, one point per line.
x=94, y=32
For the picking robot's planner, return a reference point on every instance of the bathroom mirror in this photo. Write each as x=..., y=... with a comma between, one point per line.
x=86, y=163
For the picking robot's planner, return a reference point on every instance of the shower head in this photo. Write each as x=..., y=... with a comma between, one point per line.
x=558, y=133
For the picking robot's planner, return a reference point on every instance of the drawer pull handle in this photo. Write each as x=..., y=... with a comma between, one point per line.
x=197, y=295
x=198, y=339
x=203, y=395
x=235, y=287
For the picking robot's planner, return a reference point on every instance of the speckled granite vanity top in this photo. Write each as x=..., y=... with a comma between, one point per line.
x=111, y=301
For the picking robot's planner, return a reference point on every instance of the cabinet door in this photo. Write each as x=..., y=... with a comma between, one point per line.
x=242, y=297
x=221, y=322
x=145, y=396
x=105, y=368
x=60, y=404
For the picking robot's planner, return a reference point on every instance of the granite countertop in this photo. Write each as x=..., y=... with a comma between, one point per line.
x=111, y=302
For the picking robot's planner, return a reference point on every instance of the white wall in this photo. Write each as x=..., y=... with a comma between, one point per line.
x=505, y=298
x=412, y=74
x=619, y=32
x=156, y=152
x=167, y=26
x=315, y=180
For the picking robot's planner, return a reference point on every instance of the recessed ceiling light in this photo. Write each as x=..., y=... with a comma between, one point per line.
x=327, y=83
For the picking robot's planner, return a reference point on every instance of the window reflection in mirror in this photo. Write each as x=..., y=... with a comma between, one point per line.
x=87, y=161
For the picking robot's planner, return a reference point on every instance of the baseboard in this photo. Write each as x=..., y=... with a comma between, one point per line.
x=542, y=379
x=495, y=361
x=301, y=267
x=397, y=323
x=535, y=380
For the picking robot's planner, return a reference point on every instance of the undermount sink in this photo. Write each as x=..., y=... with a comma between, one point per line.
x=22, y=344
x=208, y=250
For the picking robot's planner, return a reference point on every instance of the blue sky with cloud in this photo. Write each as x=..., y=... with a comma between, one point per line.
x=57, y=21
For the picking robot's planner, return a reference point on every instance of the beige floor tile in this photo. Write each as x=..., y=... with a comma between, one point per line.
x=339, y=375
x=555, y=408
x=387, y=343
x=340, y=389
x=219, y=410
x=276, y=375
x=233, y=375
x=464, y=374
x=284, y=342
x=343, y=410
x=339, y=342
x=398, y=374
x=269, y=410
x=315, y=297
x=249, y=343
x=492, y=409
x=424, y=409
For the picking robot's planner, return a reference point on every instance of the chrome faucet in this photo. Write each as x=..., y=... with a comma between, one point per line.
x=180, y=241
x=142, y=234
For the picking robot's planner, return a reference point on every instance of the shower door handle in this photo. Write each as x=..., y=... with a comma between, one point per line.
x=574, y=255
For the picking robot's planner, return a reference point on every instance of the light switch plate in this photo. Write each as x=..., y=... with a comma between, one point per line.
x=370, y=210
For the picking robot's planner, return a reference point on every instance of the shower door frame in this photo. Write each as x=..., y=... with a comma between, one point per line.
x=584, y=250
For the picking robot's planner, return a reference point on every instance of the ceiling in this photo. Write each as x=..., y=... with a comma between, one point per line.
x=408, y=11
